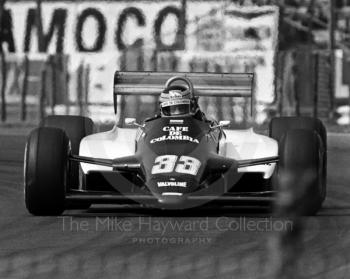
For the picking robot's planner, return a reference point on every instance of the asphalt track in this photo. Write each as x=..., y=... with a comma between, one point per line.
x=108, y=242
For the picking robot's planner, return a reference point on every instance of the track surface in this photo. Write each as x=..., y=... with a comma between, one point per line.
x=107, y=242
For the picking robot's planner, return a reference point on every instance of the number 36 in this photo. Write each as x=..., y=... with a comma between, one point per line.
x=167, y=163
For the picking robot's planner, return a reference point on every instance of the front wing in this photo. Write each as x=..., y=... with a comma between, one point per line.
x=131, y=190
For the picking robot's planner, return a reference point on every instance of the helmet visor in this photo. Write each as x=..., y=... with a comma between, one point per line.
x=176, y=108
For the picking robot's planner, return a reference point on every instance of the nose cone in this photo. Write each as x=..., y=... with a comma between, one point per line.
x=171, y=199
x=172, y=190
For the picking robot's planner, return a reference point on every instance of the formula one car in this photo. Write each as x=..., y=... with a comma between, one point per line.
x=177, y=159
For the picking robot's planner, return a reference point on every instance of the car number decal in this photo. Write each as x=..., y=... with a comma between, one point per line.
x=167, y=163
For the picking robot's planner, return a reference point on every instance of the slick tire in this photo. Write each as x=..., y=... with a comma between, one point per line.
x=76, y=128
x=45, y=171
x=300, y=173
x=280, y=125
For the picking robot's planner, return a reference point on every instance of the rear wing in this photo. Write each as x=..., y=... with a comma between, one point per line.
x=205, y=84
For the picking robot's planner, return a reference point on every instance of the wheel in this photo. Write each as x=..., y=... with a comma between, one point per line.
x=76, y=128
x=45, y=171
x=300, y=178
x=280, y=125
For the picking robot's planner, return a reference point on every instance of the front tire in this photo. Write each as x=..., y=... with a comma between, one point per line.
x=299, y=178
x=45, y=171
x=279, y=126
x=76, y=128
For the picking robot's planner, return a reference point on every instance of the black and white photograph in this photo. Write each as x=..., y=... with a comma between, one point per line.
x=169, y=139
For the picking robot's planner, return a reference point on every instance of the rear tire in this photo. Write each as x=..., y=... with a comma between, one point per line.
x=45, y=171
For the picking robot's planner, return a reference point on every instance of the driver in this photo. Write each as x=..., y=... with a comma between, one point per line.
x=176, y=100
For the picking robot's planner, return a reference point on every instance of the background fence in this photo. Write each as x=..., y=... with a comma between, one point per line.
x=202, y=36
x=39, y=85
x=304, y=85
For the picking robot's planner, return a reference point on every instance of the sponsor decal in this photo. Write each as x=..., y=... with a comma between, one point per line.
x=172, y=184
x=179, y=138
x=172, y=129
x=175, y=133
x=176, y=102
x=92, y=26
x=176, y=121
x=173, y=94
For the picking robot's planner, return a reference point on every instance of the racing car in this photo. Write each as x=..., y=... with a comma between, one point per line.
x=177, y=159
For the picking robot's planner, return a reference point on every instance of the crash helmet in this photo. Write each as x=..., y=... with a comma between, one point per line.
x=177, y=100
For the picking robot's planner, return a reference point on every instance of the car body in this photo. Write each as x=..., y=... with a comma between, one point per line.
x=144, y=147
x=175, y=162
x=224, y=156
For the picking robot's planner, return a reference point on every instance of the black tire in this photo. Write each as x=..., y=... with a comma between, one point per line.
x=76, y=128
x=299, y=172
x=45, y=171
x=280, y=125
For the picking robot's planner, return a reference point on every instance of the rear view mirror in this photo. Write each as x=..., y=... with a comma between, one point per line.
x=224, y=123
x=130, y=121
